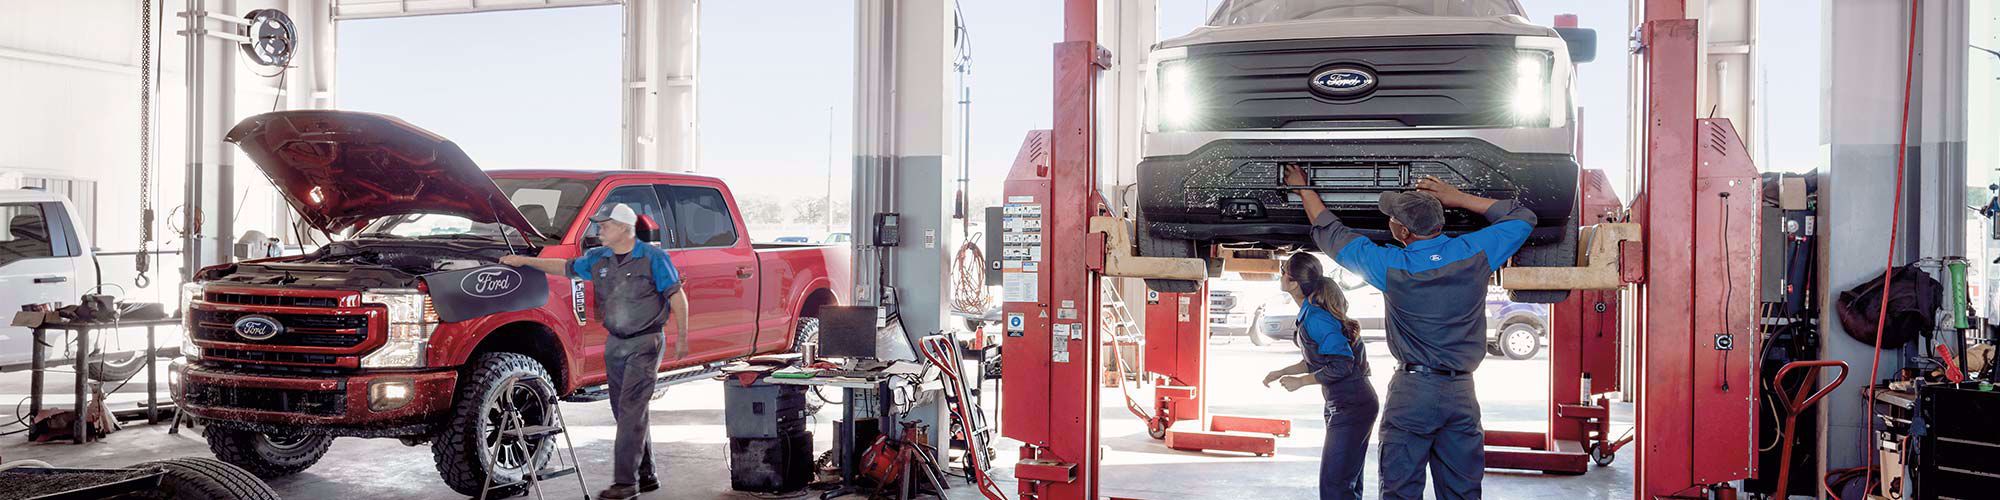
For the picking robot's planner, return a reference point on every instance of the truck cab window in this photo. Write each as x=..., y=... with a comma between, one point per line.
x=644, y=202
x=702, y=217
x=26, y=235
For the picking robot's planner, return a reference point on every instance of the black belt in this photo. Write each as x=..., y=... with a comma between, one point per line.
x=1417, y=368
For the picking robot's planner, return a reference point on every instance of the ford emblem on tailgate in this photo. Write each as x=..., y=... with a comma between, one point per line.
x=491, y=282
x=1343, y=81
x=258, y=327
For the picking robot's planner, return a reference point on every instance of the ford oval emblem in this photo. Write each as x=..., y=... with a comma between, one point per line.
x=490, y=282
x=1343, y=81
x=258, y=327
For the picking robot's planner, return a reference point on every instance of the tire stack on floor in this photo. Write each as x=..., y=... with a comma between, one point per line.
x=770, y=450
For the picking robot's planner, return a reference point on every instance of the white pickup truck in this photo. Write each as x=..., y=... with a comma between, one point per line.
x=46, y=259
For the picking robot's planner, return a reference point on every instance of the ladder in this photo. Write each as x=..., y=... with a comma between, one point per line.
x=514, y=429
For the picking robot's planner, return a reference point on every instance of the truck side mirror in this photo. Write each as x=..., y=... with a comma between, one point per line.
x=1582, y=43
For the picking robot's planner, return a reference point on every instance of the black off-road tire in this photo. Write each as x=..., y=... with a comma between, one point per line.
x=265, y=455
x=118, y=367
x=1558, y=253
x=1154, y=246
x=807, y=331
x=202, y=478
x=459, y=449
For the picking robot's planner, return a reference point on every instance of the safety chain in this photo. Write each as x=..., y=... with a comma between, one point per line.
x=140, y=262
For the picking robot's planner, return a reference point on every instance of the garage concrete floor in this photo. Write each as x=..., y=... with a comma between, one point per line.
x=692, y=451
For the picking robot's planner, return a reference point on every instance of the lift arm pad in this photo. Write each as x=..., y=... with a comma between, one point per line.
x=1119, y=261
x=1598, y=256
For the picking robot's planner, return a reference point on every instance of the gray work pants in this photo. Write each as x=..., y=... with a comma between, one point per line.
x=633, y=365
x=1432, y=421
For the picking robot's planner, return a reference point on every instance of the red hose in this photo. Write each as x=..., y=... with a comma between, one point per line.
x=1889, y=270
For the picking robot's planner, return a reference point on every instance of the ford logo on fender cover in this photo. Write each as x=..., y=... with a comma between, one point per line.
x=1343, y=81
x=258, y=327
x=490, y=282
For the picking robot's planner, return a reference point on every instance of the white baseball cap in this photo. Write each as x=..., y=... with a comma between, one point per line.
x=618, y=212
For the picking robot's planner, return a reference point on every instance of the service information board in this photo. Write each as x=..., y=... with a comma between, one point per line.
x=1021, y=250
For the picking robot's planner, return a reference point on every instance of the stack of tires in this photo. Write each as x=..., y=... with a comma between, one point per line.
x=770, y=450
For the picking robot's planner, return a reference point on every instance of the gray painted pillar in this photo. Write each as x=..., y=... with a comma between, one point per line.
x=904, y=97
x=1864, y=53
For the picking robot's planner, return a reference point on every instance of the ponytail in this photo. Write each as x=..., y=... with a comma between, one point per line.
x=1320, y=290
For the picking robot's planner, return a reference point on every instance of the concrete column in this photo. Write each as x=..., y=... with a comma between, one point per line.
x=210, y=69
x=904, y=90
x=662, y=56
x=1864, y=53
x=1132, y=32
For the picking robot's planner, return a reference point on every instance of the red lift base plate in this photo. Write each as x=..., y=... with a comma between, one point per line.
x=1535, y=451
x=1232, y=423
x=1222, y=441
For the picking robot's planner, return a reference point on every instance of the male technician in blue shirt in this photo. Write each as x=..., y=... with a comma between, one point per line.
x=1435, y=289
x=637, y=290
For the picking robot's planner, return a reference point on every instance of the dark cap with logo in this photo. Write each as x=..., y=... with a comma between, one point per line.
x=1416, y=210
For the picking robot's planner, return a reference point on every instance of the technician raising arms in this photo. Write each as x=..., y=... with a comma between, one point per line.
x=1435, y=289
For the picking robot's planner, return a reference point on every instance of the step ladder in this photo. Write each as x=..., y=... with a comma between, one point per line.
x=515, y=429
x=1118, y=329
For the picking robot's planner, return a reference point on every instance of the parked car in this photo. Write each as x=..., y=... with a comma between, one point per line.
x=46, y=258
x=1277, y=319
x=1514, y=329
x=1233, y=304
x=792, y=240
x=837, y=239
x=1368, y=96
x=288, y=353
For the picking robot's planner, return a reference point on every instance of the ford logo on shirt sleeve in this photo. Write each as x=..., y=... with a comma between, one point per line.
x=490, y=282
x=258, y=327
x=1343, y=81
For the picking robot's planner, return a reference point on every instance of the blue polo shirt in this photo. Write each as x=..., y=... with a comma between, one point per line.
x=1435, y=289
x=1324, y=334
x=665, y=277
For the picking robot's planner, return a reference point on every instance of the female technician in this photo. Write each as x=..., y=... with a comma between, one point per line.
x=1335, y=361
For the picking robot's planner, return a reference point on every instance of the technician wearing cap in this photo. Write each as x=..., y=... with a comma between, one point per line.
x=1435, y=289
x=637, y=291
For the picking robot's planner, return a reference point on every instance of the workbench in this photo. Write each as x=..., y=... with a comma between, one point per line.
x=39, y=362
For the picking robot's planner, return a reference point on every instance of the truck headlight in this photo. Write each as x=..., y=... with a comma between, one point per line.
x=1176, y=95
x=188, y=349
x=1528, y=97
x=190, y=292
x=409, y=328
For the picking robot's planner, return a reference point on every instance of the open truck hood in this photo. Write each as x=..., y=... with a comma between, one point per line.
x=341, y=169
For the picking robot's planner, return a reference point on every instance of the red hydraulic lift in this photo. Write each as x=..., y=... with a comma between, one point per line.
x=1177, y=355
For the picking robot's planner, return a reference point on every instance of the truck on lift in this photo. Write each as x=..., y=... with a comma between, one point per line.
x=1367, y=96
x=285, y=354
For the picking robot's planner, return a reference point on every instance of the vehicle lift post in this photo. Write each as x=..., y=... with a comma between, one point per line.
x=1583, y=350
x=1695, y=268
x=1177, y=357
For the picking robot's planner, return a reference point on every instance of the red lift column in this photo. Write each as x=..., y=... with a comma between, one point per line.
x=1050, y=361
x=1177, y=356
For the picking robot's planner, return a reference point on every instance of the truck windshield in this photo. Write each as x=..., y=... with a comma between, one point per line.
x=549, y=204
x=1236, y=12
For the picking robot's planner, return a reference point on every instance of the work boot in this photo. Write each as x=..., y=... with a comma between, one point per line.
x=618, y=492
x=648, y=484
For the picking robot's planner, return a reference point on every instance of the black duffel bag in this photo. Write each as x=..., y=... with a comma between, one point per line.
x=1913, y=302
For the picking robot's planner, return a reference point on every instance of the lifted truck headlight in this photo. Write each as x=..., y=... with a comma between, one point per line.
x=409, y=328
x=1528, y=96
x=1171, y=98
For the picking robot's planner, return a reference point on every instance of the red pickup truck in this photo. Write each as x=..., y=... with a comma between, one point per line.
x=287, y=353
